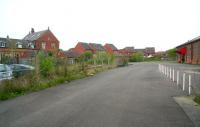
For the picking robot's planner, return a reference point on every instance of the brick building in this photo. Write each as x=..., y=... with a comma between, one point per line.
x=127, y=51
x=96, y=47
x=42, y=40
x=111, y=49
x=82, y=47
x=20, y=50
x=189, y=52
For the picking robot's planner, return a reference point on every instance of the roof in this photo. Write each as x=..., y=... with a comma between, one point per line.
x=34, y=36
x=129, y=48
x=98, y=47
x=12, y=42
x=190, y=41
x=85, y=45
x=112, y=46
x=71, y=54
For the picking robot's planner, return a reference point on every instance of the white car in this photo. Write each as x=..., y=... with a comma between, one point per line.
x=5, y=72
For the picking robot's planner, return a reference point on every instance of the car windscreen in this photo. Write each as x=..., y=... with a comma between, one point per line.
x=2, y=68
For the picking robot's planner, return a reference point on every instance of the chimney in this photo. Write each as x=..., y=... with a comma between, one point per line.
x=48, y=28
x=7, y=37
x=32, y=30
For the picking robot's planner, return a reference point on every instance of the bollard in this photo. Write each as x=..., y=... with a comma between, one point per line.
x=183, y=81
x=189, y=84
x=177, y=77
x=173, y=79
x=167, y=71
x=170, y=73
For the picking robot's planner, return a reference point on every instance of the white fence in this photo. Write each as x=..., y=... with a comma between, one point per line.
x=188, y=81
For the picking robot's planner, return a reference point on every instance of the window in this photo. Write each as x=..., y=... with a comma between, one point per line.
x=2, y=44
x=43, y=45
x=19, y=45
x=53, y=45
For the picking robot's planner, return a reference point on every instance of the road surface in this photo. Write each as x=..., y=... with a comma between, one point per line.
x=133, y=96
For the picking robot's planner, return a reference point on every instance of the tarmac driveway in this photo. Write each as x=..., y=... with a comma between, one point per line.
x=133, y=96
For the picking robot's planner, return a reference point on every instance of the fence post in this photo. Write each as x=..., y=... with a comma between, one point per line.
x=170, y=73
x=173, y=76
x=189, y=84
x=183, y=81
x=167, y=71
x=177, y=77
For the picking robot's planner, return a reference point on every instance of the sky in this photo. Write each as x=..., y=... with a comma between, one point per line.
x=162, y=24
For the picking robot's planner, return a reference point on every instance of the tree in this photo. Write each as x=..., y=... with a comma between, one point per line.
x=137, y=57
x=171, y=53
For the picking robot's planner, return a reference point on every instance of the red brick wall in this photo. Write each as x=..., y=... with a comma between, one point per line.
x=79, y=49
x=49, y=39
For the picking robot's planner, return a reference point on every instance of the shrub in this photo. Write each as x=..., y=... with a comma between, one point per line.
x=197, y=98
x=137, y=57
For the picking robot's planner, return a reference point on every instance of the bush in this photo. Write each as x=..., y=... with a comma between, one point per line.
x=137, y=57
x=197, y=98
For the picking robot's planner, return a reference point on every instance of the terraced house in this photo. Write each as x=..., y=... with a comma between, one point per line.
x=23, y=50
x=189, y=52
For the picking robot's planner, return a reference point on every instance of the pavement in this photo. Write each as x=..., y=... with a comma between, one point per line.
x=191, y=108
x=134, y=96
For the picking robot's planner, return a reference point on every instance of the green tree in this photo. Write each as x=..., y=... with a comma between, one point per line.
x=137, y=57
x=47, y=64
x=171, y=53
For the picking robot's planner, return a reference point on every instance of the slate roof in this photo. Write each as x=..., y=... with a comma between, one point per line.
x=98, y=47
x=71, y=54
x=131, y=49
x=13, y=42
x=112, y=47
x=85, y=45
x=190, y=41
x=34, y=36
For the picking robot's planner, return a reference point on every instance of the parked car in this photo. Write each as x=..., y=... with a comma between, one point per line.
x=21, y=69
x=5, y=72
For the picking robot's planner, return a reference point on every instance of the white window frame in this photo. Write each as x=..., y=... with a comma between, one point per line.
x=43, y=45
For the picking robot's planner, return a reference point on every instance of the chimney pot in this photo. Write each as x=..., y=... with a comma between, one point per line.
x=32, y=30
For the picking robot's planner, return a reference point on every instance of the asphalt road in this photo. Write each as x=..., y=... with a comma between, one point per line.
x=133, y=96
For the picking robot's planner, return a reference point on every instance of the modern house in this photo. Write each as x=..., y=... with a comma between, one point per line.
x=189, y=52
x=149, y=51
x=111, y=49
x=96, y=47
x=82, y=47
x=127, y=51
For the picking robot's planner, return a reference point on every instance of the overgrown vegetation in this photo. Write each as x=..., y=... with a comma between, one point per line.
x=137, y=57
x=197, y=98
x=171, y=54
x=51, y=71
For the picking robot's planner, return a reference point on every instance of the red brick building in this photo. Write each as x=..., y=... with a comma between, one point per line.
x=189, y=52
x=17, y=50
x=111, y=49
x=42, y=40
x=96, y=47
x=82, y=47
x=127, y=51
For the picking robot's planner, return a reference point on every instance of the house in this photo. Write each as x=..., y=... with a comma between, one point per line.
x=111, y=49
x=82, y=47
x=96, y=47
x=43, y=40
x=127, y=51
x=14, y=50
x=71, y=56
x=149, y=51
x=189, y=52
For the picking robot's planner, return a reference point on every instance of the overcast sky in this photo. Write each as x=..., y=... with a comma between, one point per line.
x=163, y=24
